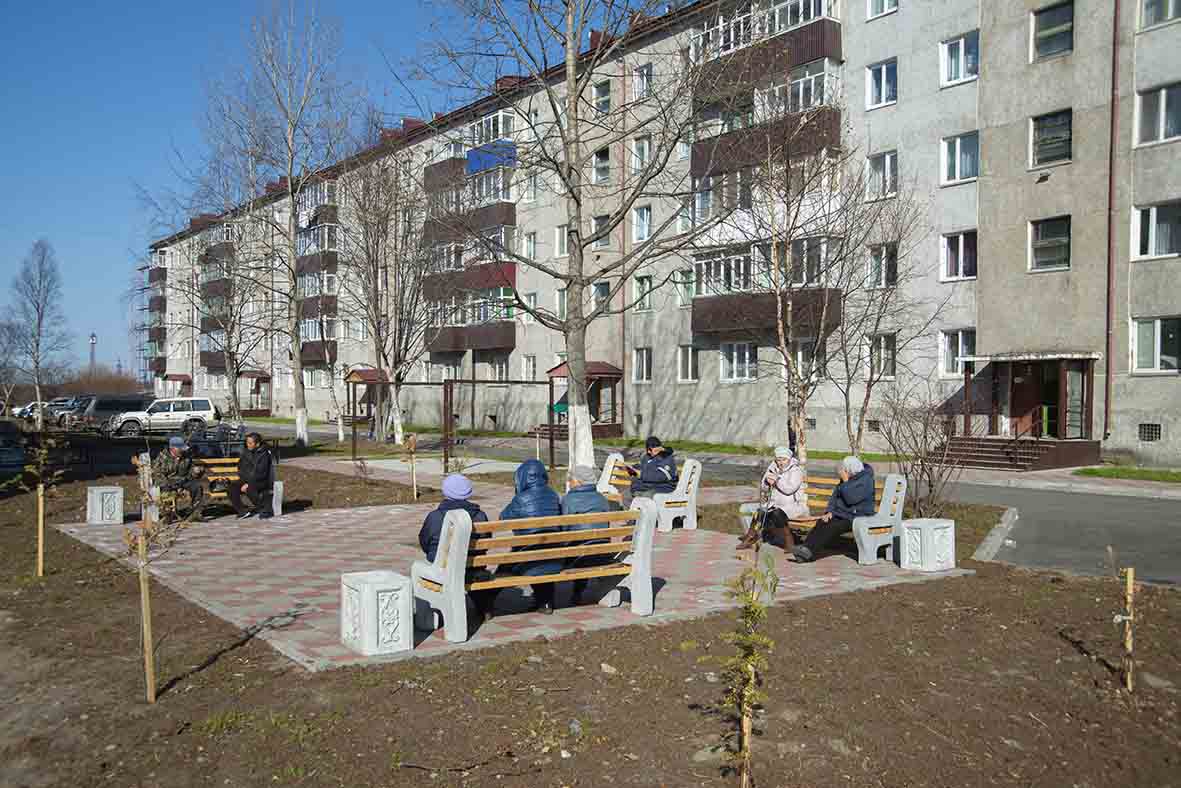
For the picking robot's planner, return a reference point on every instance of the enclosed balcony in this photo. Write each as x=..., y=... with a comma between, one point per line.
x=745, y=26
x=494, y=335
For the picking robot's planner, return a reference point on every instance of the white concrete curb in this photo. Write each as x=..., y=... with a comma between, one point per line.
x=996, y=537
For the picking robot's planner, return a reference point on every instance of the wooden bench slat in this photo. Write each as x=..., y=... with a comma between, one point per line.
x=494, y=542
x=627, y=515
x=610, y=570
x=523, y=556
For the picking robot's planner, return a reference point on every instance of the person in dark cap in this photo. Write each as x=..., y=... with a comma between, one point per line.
x=457, y=491
x=657, y=472
x=173, y=470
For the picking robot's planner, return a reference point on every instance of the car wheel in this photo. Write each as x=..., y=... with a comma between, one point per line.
x=130, y=429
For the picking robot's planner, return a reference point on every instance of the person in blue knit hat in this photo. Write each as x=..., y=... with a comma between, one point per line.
x=457, y=492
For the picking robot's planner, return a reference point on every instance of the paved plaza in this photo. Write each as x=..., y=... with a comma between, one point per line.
x=280, y=579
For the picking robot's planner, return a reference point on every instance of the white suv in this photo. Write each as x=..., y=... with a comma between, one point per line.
x=177, y=414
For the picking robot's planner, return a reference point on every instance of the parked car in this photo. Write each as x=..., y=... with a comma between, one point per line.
x=105, y=409
x=66, y=417
x=175, y=414
x=12, y=449
x=29, y=411
x=56, y=405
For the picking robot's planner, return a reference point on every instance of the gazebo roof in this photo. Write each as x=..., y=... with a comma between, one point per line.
x=594, y=370
x=366, y=375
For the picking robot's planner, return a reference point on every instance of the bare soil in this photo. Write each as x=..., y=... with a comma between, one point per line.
x=1002, y=678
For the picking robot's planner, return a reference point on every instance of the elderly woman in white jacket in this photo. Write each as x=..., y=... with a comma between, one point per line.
x=785, y=499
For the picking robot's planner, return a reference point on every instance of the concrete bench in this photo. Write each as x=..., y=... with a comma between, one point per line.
x=440, y=585
x=682, y=502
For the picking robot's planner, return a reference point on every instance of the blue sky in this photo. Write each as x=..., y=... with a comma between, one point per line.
x=97, y=98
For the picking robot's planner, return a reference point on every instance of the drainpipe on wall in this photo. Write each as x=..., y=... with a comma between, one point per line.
x=1109, y=360
x=625, y=86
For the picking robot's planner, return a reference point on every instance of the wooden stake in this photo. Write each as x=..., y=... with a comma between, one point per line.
x=1129, y=620
x=145, y=602
x=537, y=434
x=40, y=529
x=413, y=443
x=744, y=745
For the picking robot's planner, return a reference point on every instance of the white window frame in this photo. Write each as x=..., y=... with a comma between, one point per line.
x=806, y=279
x=528, y=367
x=1069, y=244
x=601, y=171
x=879, y=269
x=642, y=365
x=889, y=174
x=888, y=7
x=950, y=147
x=877, y=345
x=529, y=187
x=530, y=301
x=642, y=81
x=498, y=364
x=601, y=101
x=1034, y=57
x=686, y=283
x=641, y=223
x=530, y=250
x=742, y=370
x=1033, y=121
x=727, y=271
x=597, y=223
x=641, y=153
x=945, y=60
x=945, y=348
x=869, y=75
x=1159, y=122
x=688, y=357
x=642, y=293
x=1171, y=13
x=598, y=296
x=945, y=242
x=809, y=360
x=560, y=303
x=1155, y=369
x=562, y=240
x=1138, y=238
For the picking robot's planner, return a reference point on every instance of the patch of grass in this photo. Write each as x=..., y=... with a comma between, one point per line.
x=224, y=722
x=1165, y=475
x=284, y=420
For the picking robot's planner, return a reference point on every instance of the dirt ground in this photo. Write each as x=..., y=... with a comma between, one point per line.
x=1003, y=678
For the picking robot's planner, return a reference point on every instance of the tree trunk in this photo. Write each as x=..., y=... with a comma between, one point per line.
x=37, y=398
x=301, y=402
x=395, y=407
x=581, y=444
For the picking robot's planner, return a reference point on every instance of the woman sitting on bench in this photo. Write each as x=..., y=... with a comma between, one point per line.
x=534, y=498
x=852, y=498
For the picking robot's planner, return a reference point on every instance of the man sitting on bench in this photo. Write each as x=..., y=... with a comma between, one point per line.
x=852, y=498
x=254, y=480
x=657, y=472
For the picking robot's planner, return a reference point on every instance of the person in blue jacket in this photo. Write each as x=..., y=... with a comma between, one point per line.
x=657, y=472
x=852, y=498
x=534, y=498
x=457, y=490
x=584, y=498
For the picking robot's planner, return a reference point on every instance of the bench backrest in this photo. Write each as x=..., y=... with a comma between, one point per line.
x=822, y=487
x=614, y=475
x=893, y=498
x=464, y=544
x=688, y=479
x=219, y=468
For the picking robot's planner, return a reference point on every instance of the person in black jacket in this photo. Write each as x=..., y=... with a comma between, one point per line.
x=852, y=498
x=254, y=480
x=657, y=472
x=457, y=489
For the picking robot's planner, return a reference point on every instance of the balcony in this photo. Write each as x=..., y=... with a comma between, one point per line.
x=497, y=335
x=317, y=262
x=216, y=288
x=157, y=303
x=157, y=334
x=212, y=359
x=319, y=352
x=457, y=228
x=157, y=274
x=754, y=313
x=438, y=287
x=749, y=147
x=313, y=306
x=726, y=35
x=157, y=365
x=444, y=174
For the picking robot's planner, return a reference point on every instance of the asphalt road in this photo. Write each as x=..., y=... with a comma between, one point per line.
x=1058, y=530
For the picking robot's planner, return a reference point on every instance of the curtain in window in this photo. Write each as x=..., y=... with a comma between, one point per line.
x=969, y=156
x=1168, y=229
x=1173, y=111
x=1170, y=343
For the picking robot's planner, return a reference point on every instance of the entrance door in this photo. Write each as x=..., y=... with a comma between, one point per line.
x=1075, y=404
x=1026, y=398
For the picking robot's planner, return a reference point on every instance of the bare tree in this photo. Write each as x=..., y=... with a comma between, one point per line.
x=385, y=263
x=595, y=126
x=9, y=373
x=38, y=323
x=915, y=427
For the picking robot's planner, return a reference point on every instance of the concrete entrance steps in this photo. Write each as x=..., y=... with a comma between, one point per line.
x=999, y=453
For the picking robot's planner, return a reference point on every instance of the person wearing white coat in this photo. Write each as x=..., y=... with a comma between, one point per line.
x=785, y=499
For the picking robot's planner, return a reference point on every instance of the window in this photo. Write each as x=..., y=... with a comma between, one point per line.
x=878, y=7
x=530, y=300
x=687, y=368
x=1160, y=230
x=1051, y=138
x=745, y=180
x=1160, y=114
x=560, y=303
x=1158, y=11
x=684, y=282
x=641, y=223
x=1053, y=30
x=882, y=356
x=810, y=85
x=491, y=127
x=529, y=187
x=530, y=250
x=528, y=367
x=959, y=255
x=960, y=57
x=491, y=186
x=961, y=158
x=882, y=84
x=685, y=145
x=703, y=198
x=642, y=365
x=883, y=176
x=322, y=379
x=642, y=80
x=954, y=345
x=643, y=294
x=809, y=359
x=321, y=238
x=883, y=265
x=603, y=97
x=600, y=225
x=723, y=272
x=498, y=366
x=602, y=170
x=1158, y=344
x=1049, y=241
x=641, y=153
x=600, y=293
x=561, y=240
x=739, y=361
x=685, y=218
x=807, y=260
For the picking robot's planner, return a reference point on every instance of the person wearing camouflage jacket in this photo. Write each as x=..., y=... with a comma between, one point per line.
x=173, y=470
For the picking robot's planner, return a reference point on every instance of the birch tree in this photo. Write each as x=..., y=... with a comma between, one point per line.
x=597, y=113
x=38, y=320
